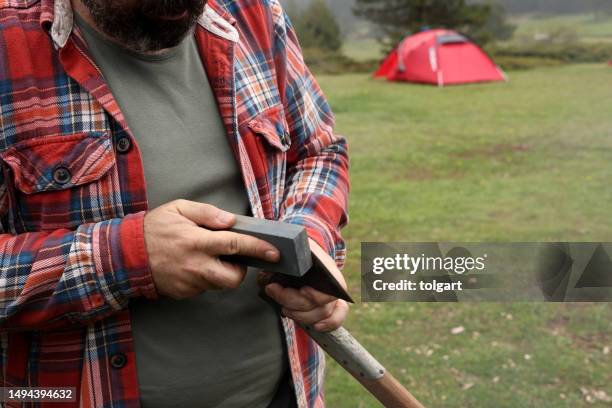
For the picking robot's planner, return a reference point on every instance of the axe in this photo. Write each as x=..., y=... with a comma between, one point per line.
x=304, y=263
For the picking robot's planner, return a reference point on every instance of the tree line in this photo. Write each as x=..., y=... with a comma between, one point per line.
x=483, y=22
x=321, y=24
x=318, y=27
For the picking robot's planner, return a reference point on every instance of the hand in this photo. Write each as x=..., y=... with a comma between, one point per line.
x=309, y=306
x=184, y=242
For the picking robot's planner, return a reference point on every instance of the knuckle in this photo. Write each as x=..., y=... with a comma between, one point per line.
x=208, y=209
x=186, y=243
x=193, y=245
x=329, y=310
x=233, y=246
x=233, y=284
x=191, y=268
x=254, y=246
x=305, y=305
x=276, y=297
x=181, y=202
x=163, y=207
x=234, y=281
x=211, y=275
x=181, y=291
x=335, y=321
x=318, y=301
x=334, y=325
x=311, y=304
x=303, y=318
x=311, y=318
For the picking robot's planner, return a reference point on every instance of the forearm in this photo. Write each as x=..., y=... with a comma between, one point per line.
x=316, y=196
x=63, y=277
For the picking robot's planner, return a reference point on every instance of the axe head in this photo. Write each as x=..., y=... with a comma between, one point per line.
x=303, y=262
x=322, y=276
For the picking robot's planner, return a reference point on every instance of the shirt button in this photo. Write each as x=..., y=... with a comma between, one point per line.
x=118, y=360
x=124, y=144
x=61, y=175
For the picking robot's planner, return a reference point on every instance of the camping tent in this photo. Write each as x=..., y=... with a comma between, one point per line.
x=441, y=57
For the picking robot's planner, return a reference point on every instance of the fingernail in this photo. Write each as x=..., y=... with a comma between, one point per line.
x=272, y=255
x=225, y=217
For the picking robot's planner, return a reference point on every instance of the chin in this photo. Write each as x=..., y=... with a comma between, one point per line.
x=158, y=36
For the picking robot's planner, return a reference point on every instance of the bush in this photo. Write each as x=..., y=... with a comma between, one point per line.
x=316, y=26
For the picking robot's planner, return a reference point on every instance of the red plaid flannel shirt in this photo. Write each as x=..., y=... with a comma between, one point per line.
x=72, y=250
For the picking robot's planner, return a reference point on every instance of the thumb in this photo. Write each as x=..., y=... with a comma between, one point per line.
x=205, y=215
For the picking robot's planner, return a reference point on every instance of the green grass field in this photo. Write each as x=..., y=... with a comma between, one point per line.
x=588, y=28
x=363, y=49
x=528, y=160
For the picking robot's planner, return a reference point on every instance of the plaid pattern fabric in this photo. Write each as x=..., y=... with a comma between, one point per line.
x=72, y=251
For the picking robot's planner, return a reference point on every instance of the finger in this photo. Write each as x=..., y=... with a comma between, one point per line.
x=335, y=320
x=289, y=298
x=223, y=275
x=205, y=215
x=231, y=243
x=314, y=316
x=316, y=296
x=264, y=278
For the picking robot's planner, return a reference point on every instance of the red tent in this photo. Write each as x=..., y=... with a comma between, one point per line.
x=441, y=57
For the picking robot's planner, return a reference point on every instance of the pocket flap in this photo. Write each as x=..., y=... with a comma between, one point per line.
x=272, y=126
x=59, y=162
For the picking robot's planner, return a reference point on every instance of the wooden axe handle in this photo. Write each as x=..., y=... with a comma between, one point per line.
x=355, y=359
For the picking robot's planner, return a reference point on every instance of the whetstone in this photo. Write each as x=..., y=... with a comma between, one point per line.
x=291, y=240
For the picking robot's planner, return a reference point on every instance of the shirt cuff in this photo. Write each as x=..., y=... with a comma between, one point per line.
x=135, y=258
x=316, y=229
x=121, y=263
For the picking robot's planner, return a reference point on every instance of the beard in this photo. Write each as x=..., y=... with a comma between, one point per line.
x=146, y=25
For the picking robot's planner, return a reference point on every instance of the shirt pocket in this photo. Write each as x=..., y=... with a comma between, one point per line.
x=59, y=181
x=268, y=143
x=272, y=126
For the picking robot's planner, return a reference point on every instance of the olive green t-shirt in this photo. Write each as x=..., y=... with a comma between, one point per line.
x=219, y=349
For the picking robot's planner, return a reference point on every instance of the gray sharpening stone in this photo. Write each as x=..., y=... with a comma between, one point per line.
x=291, y=240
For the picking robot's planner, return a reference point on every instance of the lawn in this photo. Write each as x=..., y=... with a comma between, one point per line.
x=363, y=49
x=587, y=27
x=528, y=160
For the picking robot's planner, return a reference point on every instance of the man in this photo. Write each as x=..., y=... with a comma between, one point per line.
x=131, y=132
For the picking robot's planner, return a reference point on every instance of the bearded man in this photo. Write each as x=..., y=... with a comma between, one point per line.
x=131, y=132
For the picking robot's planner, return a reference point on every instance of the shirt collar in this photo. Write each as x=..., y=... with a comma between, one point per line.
x=59, y=14
x=221, y=25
